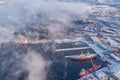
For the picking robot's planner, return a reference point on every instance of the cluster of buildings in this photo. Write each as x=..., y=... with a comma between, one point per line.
x=109, y=50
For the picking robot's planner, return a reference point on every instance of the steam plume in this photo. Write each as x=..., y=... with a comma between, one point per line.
x=35, y=65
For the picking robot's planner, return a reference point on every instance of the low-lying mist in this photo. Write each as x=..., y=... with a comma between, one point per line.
x=16, y=15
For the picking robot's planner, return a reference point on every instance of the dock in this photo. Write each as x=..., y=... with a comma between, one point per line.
x=96, y=49
x=71, y=49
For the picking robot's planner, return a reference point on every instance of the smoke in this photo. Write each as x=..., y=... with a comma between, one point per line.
x=101, y=1
x=15, y=15
x=36, y=66
x=106, y=1
x=4, y=34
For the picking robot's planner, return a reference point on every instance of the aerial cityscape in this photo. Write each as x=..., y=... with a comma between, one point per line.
x=60, y=40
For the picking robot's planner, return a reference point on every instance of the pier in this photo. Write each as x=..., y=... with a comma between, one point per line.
x=71, y=49
x=96, y=49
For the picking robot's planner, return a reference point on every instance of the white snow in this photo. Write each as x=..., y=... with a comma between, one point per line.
x=96, y=49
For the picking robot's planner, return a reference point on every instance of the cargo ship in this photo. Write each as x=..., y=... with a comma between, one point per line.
x=84, y=72
x=85, y=57
x=82, y=56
